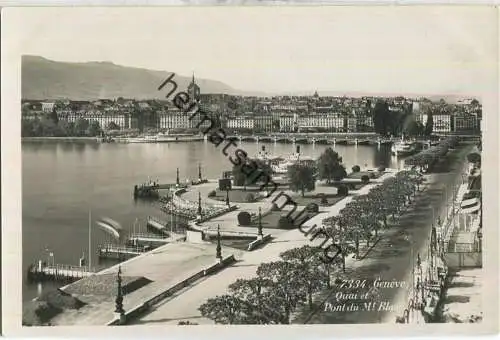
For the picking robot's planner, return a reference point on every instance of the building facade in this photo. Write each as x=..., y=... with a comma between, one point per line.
x=441, y=123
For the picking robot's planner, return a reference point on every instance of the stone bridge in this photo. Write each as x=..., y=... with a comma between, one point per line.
x=337, y=138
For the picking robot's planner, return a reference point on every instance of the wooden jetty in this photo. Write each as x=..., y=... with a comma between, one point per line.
x=58, y=272
x=157, y=225
x=152, y=240
x=118, y=252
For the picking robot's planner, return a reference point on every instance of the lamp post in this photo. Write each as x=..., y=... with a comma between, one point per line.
x=199, y=203
x=218, y=250
x=199, y=172
x=119, y=311
x=177, y=181
x=260, y=234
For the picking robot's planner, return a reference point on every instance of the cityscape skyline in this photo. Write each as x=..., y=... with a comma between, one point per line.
x=416, y=50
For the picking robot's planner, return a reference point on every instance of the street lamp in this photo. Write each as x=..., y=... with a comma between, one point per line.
x=218, y=249
x=260, y=223
x=199, y=203
x=119, y=311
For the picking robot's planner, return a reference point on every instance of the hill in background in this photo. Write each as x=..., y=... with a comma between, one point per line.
x=47, y=79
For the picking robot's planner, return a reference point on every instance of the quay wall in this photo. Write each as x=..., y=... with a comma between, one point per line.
x=258, y=242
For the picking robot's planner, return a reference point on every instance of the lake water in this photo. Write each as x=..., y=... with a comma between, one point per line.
x=63, y=181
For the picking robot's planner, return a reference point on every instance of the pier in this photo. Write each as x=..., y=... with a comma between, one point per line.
x=57, y=272
x=118, y=252
x=157, y=225
x=147, y=239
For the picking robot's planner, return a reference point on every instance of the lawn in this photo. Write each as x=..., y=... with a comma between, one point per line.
x=237, y=195
x=271, y=219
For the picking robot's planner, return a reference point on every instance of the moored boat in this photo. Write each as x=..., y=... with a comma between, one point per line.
x=404, y=148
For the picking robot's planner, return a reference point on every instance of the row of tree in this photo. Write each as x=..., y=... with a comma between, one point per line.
x=361, y=219
x=280, y=287
x=275, y=293
x=48, y=128
x=427, y=159
x=50, y=125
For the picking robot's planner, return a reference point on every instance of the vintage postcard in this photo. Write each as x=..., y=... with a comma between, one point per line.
x=308, y=168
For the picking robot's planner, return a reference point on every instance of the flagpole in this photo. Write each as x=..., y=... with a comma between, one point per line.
x=90, y=242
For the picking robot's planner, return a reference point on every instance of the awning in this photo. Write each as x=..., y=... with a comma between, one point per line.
x=470, y=210
x=469, y=202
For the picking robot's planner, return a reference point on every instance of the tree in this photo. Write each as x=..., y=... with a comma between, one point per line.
x=365, y=179
x=67, y=128
x=113, y=126
x=250, y=172
x=474, y=157
x=305, y=260
x=330, y=166
x=244, y=218
x=381, y=117
x=414, y=129
x=429, y=125
x=225, y=309
x=342, y=190
x=81, y=126
x=255, y=293
x=301, y=178
x=53, y=116
x=94, y=128
x=285, y=288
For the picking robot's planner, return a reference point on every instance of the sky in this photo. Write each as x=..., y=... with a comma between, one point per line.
x=404, y=49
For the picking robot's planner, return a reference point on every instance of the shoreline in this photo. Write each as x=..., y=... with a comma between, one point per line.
x=61, y=139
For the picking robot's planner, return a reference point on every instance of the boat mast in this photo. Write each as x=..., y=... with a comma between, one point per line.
x=90, y=238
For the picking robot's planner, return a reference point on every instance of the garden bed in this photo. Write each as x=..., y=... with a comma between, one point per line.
x=238, y=195
x=271, y=219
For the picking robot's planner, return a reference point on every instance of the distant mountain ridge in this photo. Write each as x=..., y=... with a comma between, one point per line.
x=46, y=79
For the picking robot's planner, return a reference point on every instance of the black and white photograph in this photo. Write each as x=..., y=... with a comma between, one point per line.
x=250, y=165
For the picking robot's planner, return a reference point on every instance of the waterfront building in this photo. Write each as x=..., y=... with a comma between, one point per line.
x=48, y=106
x=241, y=122
x=441, y=123
x=364, y=124
x=173, y=120
x=421, y=118
x=466, y=124
x=287, y=122
x=264, y=123
x=331, y=123
x=350, y=124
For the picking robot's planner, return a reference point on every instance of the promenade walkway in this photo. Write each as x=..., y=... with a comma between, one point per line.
x=165, y=266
